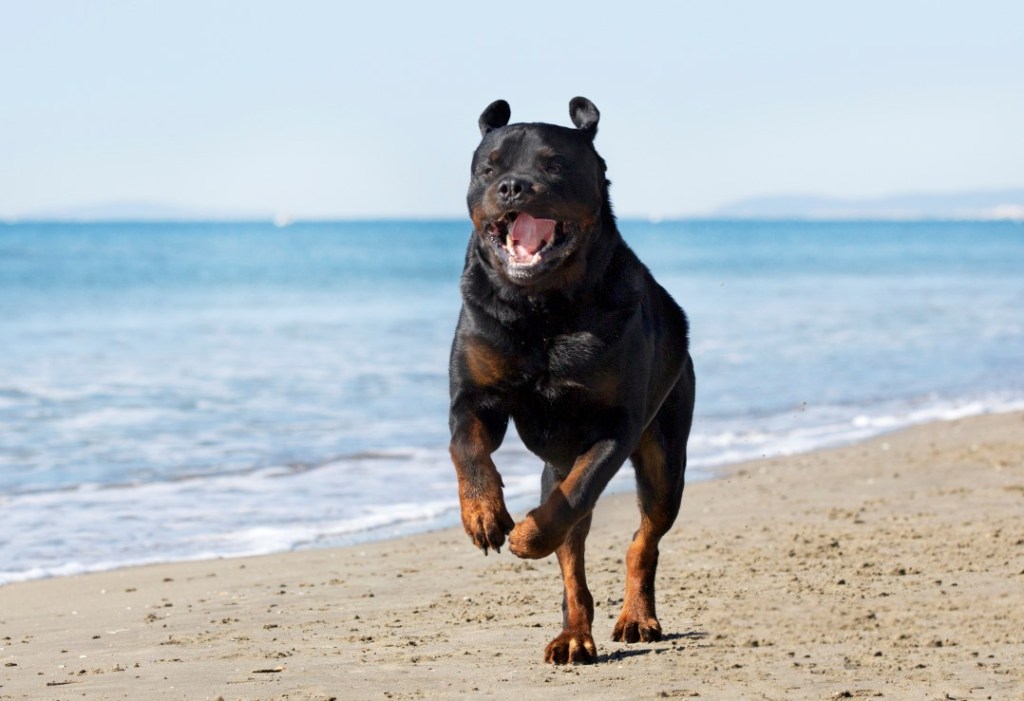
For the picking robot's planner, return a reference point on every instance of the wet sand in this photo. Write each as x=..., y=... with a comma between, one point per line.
x=891, y=569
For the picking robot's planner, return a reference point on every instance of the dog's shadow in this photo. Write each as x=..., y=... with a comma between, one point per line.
x=633, y=652
x=689, y=635
x=621, y=655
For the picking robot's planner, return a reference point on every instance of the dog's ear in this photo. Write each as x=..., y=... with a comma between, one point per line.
x=584, y=115
x=496, y=115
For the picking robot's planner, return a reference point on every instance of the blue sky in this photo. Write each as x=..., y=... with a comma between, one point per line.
x=329, y=109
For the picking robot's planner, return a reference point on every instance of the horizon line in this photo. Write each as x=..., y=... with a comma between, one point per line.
x=647, y=219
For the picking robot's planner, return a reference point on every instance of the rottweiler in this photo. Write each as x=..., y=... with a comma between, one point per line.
x=565, y=331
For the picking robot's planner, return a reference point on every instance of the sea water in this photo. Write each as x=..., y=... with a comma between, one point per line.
x=189, y=390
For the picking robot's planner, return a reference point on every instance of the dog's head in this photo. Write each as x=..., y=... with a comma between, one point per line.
x=536, y=191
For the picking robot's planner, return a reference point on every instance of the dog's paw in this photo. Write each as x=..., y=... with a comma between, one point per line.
x=487, y=522
x=532, y=540
x=571, y=647
x=631, y=629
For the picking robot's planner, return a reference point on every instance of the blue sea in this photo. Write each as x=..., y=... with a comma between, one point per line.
x=174, y=391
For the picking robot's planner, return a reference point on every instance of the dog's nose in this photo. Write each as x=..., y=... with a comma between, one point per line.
x=512, y=189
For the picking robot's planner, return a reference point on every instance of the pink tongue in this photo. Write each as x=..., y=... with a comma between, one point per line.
x=529, y=234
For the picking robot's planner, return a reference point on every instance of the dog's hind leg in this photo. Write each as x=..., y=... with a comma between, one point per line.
x=660, y=462
x=575, y=643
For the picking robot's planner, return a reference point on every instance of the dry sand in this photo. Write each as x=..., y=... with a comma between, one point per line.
x=893, y=569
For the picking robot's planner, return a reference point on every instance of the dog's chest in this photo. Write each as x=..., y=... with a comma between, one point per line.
x=552, y=363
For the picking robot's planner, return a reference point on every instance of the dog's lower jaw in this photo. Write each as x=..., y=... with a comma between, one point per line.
x=544, y=263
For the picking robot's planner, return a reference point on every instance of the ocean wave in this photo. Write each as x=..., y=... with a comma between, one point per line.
x=370, y=495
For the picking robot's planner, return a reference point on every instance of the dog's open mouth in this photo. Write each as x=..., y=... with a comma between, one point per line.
x=526, y=243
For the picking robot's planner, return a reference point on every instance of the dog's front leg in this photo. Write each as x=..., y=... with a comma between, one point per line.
x=475, y=435
x=545, y=528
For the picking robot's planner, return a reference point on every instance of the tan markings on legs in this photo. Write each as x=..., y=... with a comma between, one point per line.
x=652, y=459
x=575, y=644
x=638, y=620
x=545, y=528
x=484, y=516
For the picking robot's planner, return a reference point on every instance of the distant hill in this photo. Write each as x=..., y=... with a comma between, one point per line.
x=980, y=205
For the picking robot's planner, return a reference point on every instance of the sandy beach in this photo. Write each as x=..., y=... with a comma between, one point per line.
x=890, y=569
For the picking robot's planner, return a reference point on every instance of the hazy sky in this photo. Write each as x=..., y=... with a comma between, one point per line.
x=323, y=109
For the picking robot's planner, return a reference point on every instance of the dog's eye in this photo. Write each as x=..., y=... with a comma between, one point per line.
x=486, y=171
x=553, y=167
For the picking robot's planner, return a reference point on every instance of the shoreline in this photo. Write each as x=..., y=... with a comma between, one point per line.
x=891, y=567
x=865, y=426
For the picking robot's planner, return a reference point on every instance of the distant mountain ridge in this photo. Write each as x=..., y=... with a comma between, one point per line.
x=978, y=205
x=984, y=205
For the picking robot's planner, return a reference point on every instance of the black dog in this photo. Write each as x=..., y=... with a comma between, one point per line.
x=564, y=330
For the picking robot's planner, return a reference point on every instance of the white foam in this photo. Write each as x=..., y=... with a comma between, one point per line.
x=383, y=494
